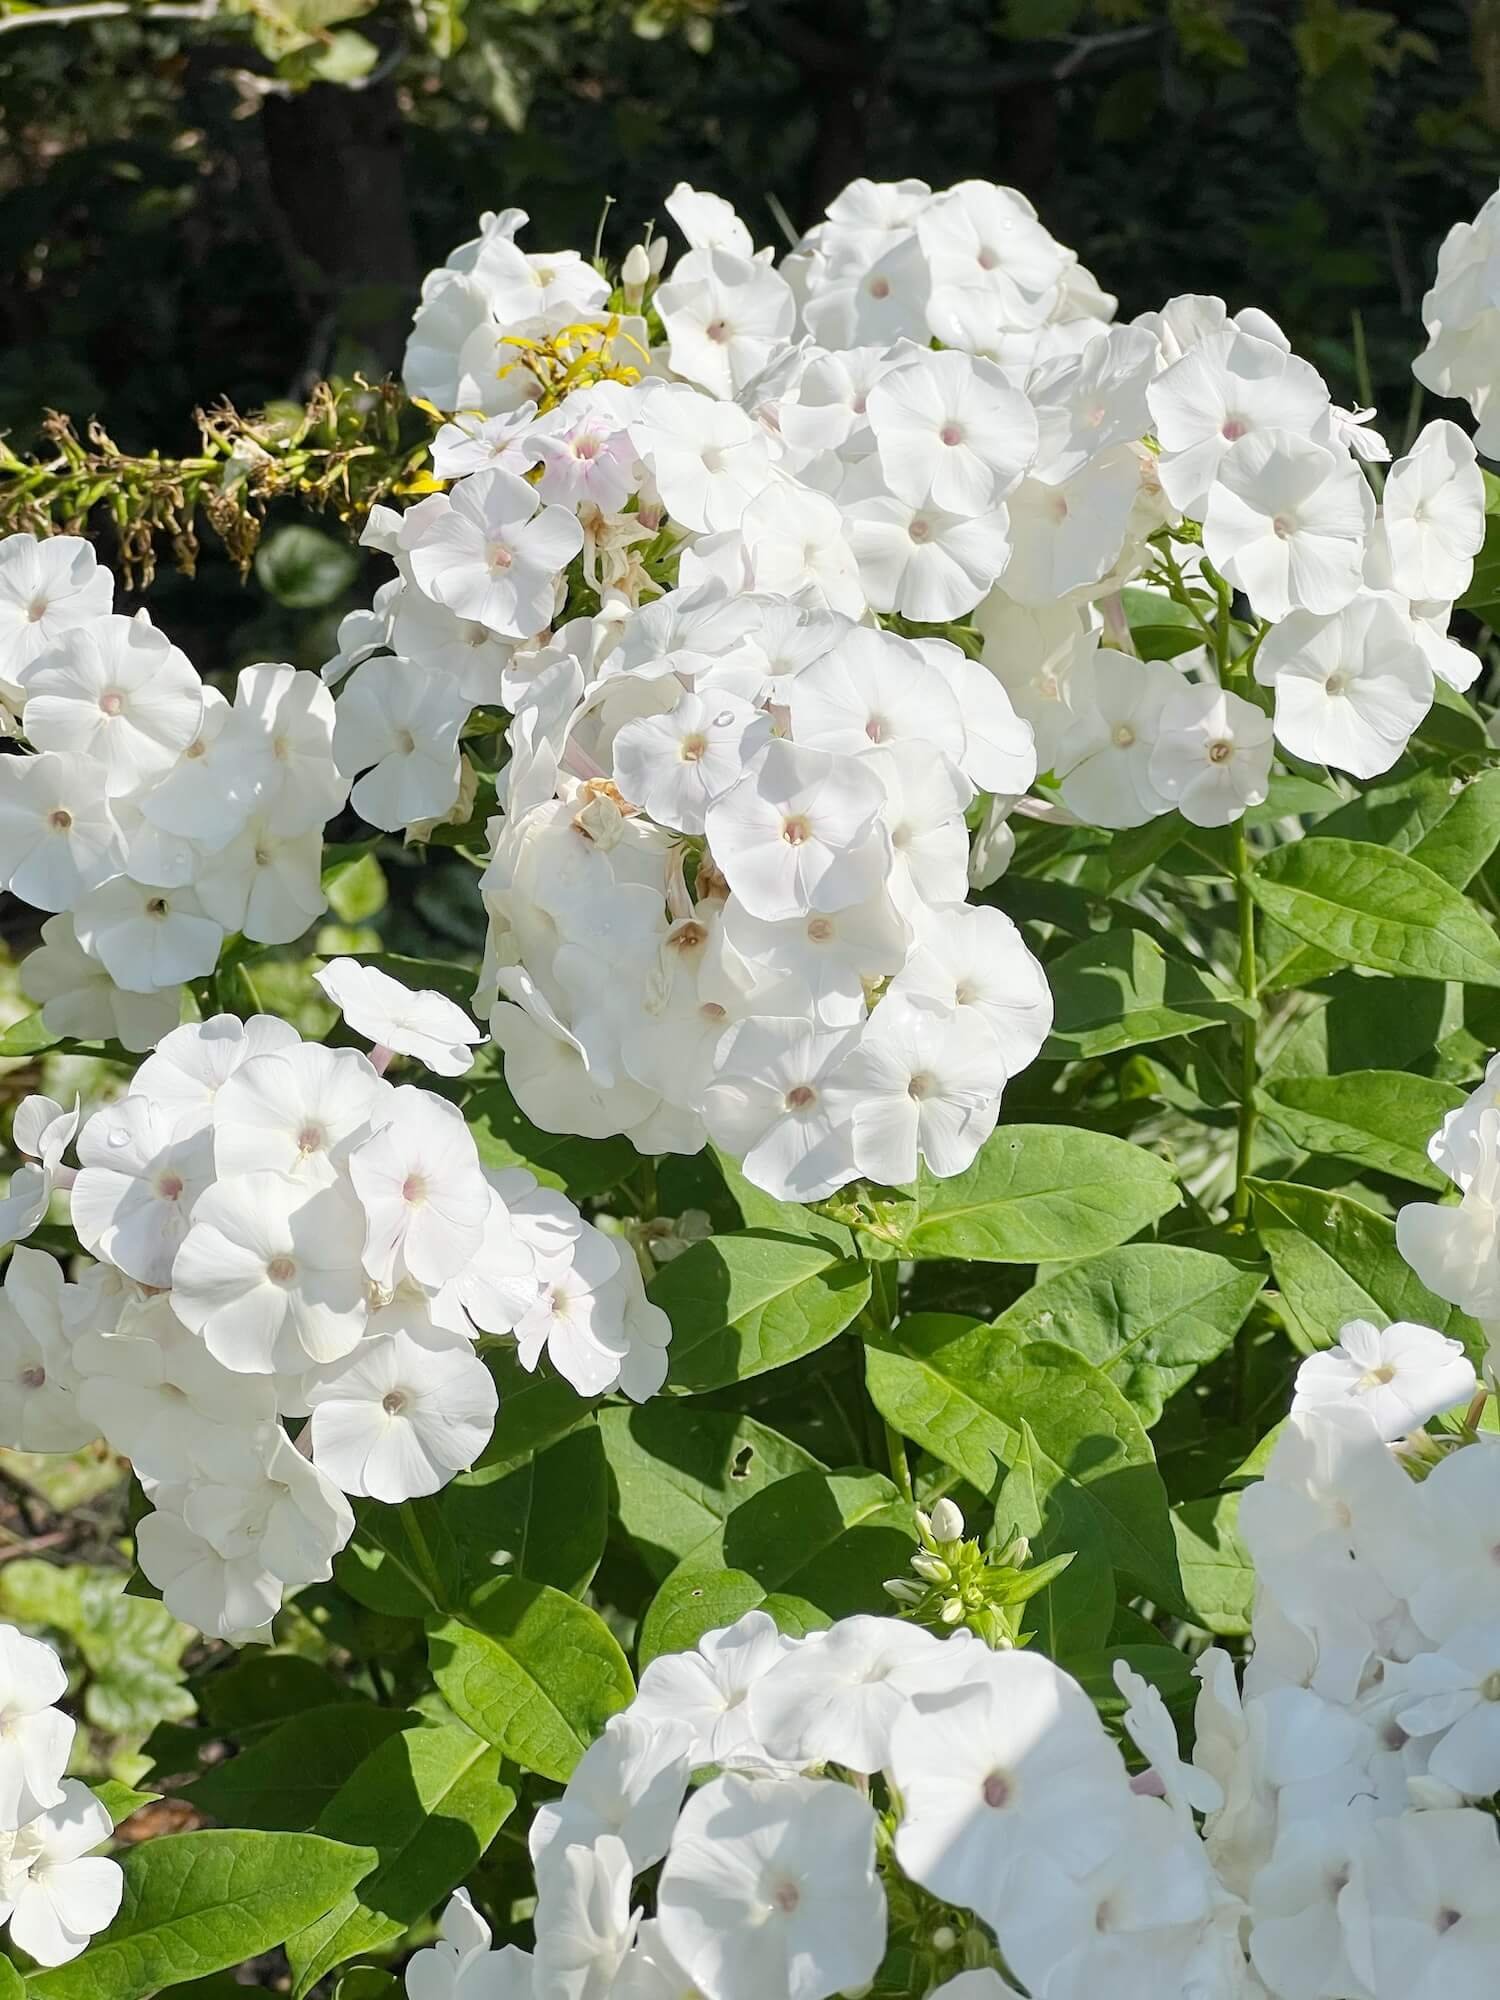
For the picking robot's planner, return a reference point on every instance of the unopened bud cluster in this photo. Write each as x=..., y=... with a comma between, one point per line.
x=963, y=1584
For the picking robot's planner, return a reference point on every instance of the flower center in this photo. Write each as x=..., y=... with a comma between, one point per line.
x=920, y=530
x=786, y=1896
x=1123, y=736
x=393, y=1402
x=112, y=702
x=1489, y=1687
x=1376, y=1378
x=951, y=434
x=1283, y=527
x=800, y=1097
x=32, y=1378
x=795, y=829
x=36, y=610
x=156, y=906
x=1336, y=684
x=717, y=330
x=820, y=930
x=987, y=260
x=920, y=1086
x=1234, y=428
x=1220, y=753
x=281, y=1270
x=406, y=743
x=876, y=728
x=997, y=1790
x=500, y=557
x=414, y=1189
x=59, y=819
x=692, y=748
x=169, y=1186
x=880, y=288
x=311, y=1139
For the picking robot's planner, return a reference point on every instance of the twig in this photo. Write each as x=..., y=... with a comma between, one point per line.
x=103, y=10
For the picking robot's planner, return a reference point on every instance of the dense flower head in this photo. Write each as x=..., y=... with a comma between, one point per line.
x=292, y=1236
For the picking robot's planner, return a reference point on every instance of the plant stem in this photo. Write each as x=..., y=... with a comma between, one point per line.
x=1249, y=1027
x=1223, y=630
x=895, y=1449
x=431, y=1576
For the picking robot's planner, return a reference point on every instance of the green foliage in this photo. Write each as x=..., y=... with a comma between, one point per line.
x=127, y=1650
x=199, y=1903
x=534, y=1672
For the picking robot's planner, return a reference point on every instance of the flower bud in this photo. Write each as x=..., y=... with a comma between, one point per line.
x=932, y=1567
x=656, y=250
x=635, y=272
x=903, y=1590
x=944, y=1938
x=947, y=1522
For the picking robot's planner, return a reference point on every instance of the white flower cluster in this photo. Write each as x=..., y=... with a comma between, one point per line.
x=284, y=1233
x=1461, y=313
x=54, y=1893
x=787, y=577
x=1455, y=1250
x=1333, y=1837
x=154, y=818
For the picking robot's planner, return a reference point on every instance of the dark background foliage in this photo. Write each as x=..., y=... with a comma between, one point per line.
x=185, y=214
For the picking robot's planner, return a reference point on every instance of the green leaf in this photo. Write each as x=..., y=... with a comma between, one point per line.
x=344, y=58
x=762, y=1211
x=830, y=1538
x=1148, y=1315
x=356, y=889
x=120, y=1801
x=12, y=1985
x=1335, y=1260
x=695, y=1600
x=1160, y=627
x=679, y=1473
x=429, y=1801
x=1380, y=1119
x=1365, y=905
x=536, y=1409
x=745, y=1303
x=402, y=1560
x=546, y=1520
x=506, y=1137
x=963, y=1391
x=1037, y=1192
x=283, y=1782
x=28, y=1036
x=1121, y=990
x=1169, y=1672
x=301, y=567
x=1073, y=1613
x=1450, y=823
x=264, y=1687
x=132, y=1649
x=1218, y=1577
x=199, y=1902
x=535, y=1672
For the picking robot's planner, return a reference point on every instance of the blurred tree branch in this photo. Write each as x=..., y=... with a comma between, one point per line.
x=27, y=16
